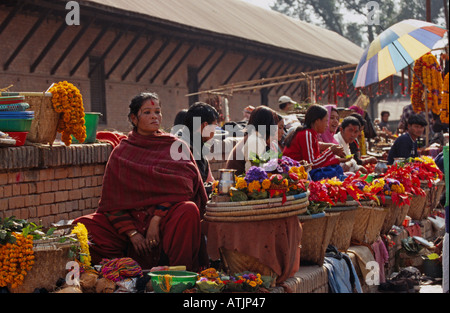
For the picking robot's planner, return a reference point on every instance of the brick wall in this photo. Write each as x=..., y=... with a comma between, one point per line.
x=49, y=184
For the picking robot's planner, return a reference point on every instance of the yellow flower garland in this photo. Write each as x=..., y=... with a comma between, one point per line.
x=82, y=235
x=68, y=101
x=445, y=98
x=427, y=68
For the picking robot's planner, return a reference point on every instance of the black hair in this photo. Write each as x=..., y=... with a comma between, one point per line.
x=385, y=112
x=417, y=119
x=361, y=120
x=179, y=118
x=350, y=120
x=263, y=116
x=206, y=112
x=283, y=105
x=138, y=101
x=315, y=112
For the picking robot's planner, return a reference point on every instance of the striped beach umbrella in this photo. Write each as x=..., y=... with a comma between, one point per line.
x=396, y=48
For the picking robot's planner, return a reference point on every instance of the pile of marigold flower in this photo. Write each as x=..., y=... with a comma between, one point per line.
x=16, y=260
x=68, y=101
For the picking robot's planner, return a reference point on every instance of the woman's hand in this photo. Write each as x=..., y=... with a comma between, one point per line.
x=139, y=243
x=152, y=237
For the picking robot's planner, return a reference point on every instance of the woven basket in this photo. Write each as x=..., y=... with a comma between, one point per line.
x=418, y=208
x=342, y=234
x=436, y=193
x=258, y=210
x=369, y=220
x=316, y=237
x=44, y=126
x=395, y=215
x=237, y=262
x=49, y=265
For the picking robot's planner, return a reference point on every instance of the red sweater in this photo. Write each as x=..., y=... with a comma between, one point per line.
x=305, y=146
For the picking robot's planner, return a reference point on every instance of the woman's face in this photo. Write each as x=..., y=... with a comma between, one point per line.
x=280, y=129
x=321, y=124
x=334, y=121
x=148, y=119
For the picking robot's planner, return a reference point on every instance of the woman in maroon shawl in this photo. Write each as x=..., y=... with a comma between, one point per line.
x=151, y=205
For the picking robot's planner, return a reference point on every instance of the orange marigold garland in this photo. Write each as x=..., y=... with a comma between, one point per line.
x=445, y=98
x=427, y=68
x=16, y=260
x=68, y=101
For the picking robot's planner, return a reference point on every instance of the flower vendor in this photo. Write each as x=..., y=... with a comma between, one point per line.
x=261, y=129
x=303, y=144
x=327, y=137
x=405, y=146
x=151, y=205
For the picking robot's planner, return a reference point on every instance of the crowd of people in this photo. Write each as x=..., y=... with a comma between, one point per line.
x=152, y=205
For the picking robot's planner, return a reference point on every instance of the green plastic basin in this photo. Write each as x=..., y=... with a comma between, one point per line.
x=16, y=125
x=176, y=282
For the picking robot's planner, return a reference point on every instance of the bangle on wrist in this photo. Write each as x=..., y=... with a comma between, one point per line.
x=132, y=233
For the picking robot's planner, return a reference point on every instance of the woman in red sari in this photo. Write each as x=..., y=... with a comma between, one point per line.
x=151, y=205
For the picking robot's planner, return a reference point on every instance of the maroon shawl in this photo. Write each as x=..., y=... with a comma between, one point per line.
x=141, y=173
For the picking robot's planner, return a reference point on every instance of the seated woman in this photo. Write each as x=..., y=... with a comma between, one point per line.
x=326, y=139
x=151, y=206
x=303, y=145
x=260, y=134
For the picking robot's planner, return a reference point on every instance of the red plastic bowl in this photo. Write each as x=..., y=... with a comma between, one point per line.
x=20, y=137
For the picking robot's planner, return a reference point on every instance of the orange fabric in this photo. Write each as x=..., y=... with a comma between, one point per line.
x=276, y=243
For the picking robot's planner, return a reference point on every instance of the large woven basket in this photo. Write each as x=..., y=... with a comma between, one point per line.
x=342, y=234
x=316, y=237
x=237, y=262
x=44, y=126
x=418, y=208
x=369, y=220
x=395, y=215
x=256, y=210
x=50, y=261
x=436, y=193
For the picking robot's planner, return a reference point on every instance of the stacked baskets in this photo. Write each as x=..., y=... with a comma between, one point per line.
x=15, y=121
x=256, y=210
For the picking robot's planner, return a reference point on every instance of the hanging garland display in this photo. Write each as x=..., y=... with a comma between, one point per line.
x=445, y=110
x=428, y=70
x=68, y=101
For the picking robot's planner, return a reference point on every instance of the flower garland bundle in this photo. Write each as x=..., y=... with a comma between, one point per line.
x=429, y=70
x=407, y=176
x=16, y=260
x=445, y=98
x=82, y=235
x=68, y=101
x=383, y=187
x=417, y=87
x=431, y=73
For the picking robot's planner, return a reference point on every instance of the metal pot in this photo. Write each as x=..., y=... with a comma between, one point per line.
x=226, y=180
x=381, y=167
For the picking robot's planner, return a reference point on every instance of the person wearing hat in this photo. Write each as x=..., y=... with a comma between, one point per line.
x=286, y=104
